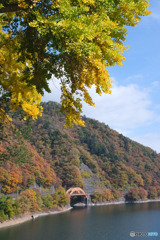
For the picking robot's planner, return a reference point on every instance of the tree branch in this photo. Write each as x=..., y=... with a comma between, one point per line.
x=13, y=7
x=10, y=8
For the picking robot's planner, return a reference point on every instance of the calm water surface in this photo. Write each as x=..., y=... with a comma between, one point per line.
x=93, y=223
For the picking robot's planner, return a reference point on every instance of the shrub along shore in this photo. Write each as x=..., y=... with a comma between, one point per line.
x=31, y=216
x=30, y=201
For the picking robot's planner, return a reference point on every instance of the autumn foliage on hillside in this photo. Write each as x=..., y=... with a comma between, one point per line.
x=115, y=158
x=20, y=164
x=31, y=201
x=45, y=153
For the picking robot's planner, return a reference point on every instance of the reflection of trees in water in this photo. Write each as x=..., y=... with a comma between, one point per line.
x=79, y=212
x=126, y=208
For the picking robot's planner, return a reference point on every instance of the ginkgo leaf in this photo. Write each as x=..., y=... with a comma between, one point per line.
x=75, y=41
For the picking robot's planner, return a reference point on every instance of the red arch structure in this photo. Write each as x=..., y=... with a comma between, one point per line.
x=76, y=191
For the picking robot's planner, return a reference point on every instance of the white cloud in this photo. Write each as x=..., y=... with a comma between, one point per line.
x=127, y=108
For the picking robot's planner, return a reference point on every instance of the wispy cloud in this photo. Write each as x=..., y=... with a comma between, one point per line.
x=155, y=84
x=136, y=76
x=155, y=16
x=149, y=139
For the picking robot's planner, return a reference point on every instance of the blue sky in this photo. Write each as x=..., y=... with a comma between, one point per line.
x=133, y=109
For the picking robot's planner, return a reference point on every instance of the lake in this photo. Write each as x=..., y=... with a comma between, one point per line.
x=112, y=222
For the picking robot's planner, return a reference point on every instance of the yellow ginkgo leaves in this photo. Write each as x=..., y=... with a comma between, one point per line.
x=75, y=41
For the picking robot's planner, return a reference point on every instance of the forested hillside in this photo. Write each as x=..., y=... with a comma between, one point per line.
x=94, y=156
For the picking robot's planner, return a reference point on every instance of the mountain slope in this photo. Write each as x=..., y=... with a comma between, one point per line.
x=113, y=160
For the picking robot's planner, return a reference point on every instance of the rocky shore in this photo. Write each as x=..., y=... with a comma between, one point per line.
x=30, y=216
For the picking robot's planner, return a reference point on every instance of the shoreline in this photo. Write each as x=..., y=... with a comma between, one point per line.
x=30, y=216
x=123, y=202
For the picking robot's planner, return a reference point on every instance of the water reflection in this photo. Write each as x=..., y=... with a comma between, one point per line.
x=113, y=222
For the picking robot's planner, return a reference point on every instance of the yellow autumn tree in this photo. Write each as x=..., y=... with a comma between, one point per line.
x=13, y=85
x=75, y=41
